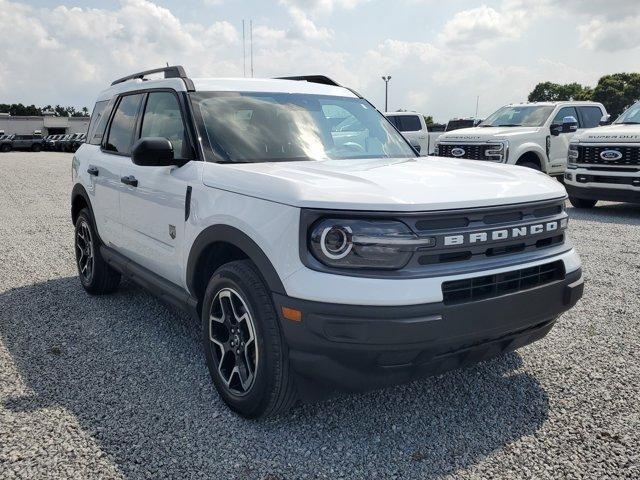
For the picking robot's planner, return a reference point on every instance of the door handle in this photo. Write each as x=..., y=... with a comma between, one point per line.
x=129, y=180
x=93, y=171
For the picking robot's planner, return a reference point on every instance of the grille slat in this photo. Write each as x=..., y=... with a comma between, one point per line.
x=491, y=286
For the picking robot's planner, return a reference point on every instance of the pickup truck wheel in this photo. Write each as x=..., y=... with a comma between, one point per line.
x=245, y=350
x=96, y=276
x=532, y=165
x=582, y=202
x=5, y=148
x=36, y=147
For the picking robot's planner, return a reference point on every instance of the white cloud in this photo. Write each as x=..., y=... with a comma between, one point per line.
x=303, y=27
x=611, y=35
x=323, y=5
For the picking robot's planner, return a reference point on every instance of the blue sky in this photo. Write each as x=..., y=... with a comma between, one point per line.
x=441, y=55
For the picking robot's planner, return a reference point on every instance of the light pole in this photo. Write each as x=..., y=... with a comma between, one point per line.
x=386, y=92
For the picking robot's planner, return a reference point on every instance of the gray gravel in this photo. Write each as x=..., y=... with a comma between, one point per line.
x=116, y=386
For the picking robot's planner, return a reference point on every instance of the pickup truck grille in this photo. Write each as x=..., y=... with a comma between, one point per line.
x=590, y=155
x=634, y=181
x=471, y=151
x=491, y=286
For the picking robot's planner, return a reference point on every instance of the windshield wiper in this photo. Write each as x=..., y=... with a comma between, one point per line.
x=509, y=125
x=629, y=123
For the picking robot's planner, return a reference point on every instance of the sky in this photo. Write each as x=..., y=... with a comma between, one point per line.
x=442, y=55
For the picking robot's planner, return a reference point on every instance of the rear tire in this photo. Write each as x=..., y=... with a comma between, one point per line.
x=96, y=276
x=582, y=202
x=36, y=147
x=5, y=148
x=533, y=166
x=245, y=350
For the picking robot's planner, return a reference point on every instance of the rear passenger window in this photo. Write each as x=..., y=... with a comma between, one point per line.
x=590, y=116
x=162, y=118
x=123, y=125
x=409, y=123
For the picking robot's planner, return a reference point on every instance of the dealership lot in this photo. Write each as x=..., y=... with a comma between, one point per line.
x=116, y=386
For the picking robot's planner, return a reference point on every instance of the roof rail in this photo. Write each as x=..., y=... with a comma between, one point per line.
x=175, y=71
x=313, y=79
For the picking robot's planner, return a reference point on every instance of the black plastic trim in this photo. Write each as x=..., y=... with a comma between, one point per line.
x=152, y=282
x=187, y=203
x=606, y=194
x=233, y=236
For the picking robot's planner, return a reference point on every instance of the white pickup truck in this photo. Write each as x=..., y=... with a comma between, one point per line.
x=415, y=129
x=534, y=135
x=604, y=163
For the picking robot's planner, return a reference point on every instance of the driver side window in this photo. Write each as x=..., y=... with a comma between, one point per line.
x=163, y=118
x=564, y=112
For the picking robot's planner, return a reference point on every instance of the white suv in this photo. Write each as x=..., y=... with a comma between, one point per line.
x=316, y=259
x=534, y=135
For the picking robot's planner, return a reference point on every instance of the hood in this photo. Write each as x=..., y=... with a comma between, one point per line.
x=479, y=134
x=422, y=184
x=615, y=133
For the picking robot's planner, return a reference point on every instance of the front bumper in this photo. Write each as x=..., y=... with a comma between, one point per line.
x=604, y=193
x=354, y=348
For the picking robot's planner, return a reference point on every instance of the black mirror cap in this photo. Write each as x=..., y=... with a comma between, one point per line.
x=605, y=120
x=569, y=124
x=556, y=129
x=152, y=152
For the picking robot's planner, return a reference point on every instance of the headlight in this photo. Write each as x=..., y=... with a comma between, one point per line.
x=498, y=152
x=367, y=244
x=573, y=153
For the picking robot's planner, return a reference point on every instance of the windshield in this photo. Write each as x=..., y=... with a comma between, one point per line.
x=631, y=116
x=276, y=127
x=519, y=116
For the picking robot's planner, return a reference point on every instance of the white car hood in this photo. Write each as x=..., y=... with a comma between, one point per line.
x=615, y=133
x=480, y=134
x=428, y=183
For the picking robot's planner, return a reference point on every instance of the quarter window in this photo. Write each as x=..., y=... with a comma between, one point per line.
x=162, y=118
x=409, y=123
x=123, y=125
x=97, y=123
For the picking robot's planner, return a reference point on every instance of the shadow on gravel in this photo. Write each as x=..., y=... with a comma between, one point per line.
x=131, y=371
x=607, y=212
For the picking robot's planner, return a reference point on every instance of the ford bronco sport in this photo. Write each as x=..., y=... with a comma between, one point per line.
x=317, y=258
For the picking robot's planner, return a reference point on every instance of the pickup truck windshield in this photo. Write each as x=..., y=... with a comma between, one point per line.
x=631, y=116
x=519, y=116
x=276, y=127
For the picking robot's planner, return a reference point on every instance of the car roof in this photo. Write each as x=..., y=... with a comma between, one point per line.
x=262, y=85
x=554, y=104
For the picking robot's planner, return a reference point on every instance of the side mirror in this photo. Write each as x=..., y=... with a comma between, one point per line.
x=605, y=120
x=152, y=152
x=416, y=147
x=569, y=124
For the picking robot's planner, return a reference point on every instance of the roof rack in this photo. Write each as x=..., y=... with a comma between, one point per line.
x=313, y=79
x=174, y=71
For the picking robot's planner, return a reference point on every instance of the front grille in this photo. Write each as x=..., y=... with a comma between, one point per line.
x=491, y=286
x=634, y=181
x=590, y=155
x=487, y=233
x=471, y=151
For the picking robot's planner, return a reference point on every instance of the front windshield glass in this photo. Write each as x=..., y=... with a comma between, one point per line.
x=519, y=116
x=277, y=127
x=631, y=116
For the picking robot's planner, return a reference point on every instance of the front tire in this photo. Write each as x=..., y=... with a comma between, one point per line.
x=36, y=147
x=96, y=276
x=532, y=165
x=245, y=350
x=5, y=148
x=582, y=202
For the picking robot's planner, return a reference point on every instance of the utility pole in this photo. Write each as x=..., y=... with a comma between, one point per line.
x=244, y=53
x=251, y=44
x=477, y=102
x=386, y=92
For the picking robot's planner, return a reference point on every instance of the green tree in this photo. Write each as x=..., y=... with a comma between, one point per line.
x=617, y=91
x=428, y=119
x=554, y=92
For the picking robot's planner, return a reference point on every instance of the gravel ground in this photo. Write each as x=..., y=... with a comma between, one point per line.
x=116, y=386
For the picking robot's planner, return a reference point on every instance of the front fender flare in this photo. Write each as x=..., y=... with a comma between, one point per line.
x=233, y=236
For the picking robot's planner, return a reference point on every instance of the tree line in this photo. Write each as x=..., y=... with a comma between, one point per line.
x=20, y=110
x=616, y=92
